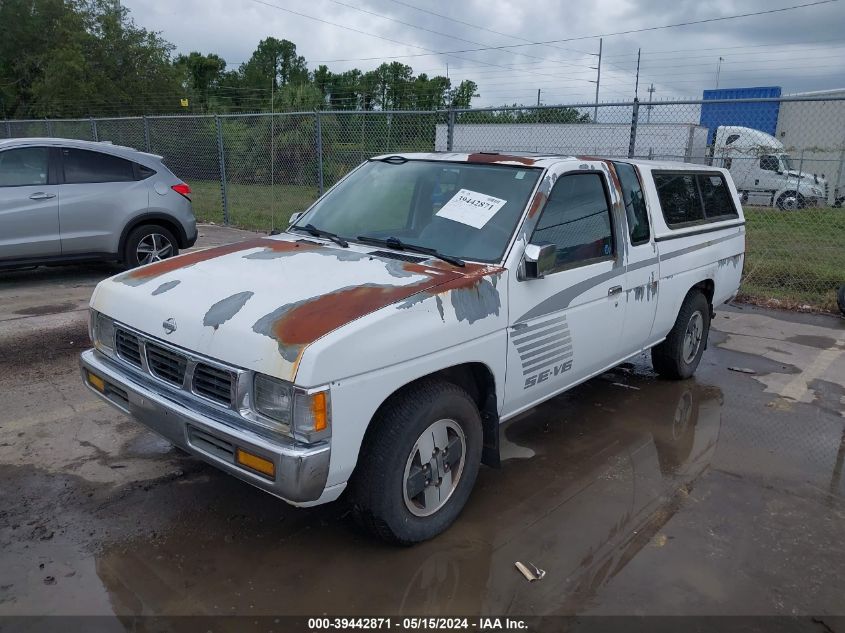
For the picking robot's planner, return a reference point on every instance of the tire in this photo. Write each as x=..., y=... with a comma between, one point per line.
x=148, y=235
x=392, y=454
x=676, y=357
x=785, y=201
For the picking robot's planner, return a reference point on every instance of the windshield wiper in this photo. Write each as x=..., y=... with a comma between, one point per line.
x=313, y=230
x=397, y=244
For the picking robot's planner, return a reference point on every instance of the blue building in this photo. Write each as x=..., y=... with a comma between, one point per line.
x=761, y=116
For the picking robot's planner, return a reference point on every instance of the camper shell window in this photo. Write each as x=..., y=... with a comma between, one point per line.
x=694, y=197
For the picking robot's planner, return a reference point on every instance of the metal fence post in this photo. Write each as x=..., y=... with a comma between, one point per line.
x=450, y=130
x=49, y=127
x=222, y=159
x=8, y=129
x=146, y=134
x=95, y=136
x=319, y=139
x=633, y=141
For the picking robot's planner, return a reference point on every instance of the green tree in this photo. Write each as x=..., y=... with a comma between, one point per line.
x=202, y=75
x=463, y=95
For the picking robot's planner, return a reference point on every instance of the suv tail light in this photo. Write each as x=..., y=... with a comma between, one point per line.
x=182, y=189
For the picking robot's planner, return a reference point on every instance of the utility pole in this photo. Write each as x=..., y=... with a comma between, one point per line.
x=637, y=82
x=538, y=97
x=649, y=106
x=598, y=81
x=718, y=70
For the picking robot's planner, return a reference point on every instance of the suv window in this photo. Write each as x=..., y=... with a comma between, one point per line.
x=84, y=166
x=717, y=199
x=635, y=208
x=678, y=194
x=24, y=166
x=576, y=219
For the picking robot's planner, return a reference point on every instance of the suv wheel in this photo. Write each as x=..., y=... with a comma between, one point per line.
x=419, y=465
x=149, y=243
x=678, y=356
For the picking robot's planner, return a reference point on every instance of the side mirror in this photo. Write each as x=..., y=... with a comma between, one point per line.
x=539, y=259
x=294, y=217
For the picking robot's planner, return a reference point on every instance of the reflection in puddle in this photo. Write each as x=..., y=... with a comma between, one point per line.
x=603, y=468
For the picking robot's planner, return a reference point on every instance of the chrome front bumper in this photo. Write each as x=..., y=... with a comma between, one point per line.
x=300, y=471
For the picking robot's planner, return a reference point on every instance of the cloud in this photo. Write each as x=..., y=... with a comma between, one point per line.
x=799, y=50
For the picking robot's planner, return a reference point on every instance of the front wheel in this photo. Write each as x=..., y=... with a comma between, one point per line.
x=678, y=356
x=419, y=464
x=790, y=201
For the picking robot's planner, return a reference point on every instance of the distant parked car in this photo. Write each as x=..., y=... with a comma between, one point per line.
x=64, y=200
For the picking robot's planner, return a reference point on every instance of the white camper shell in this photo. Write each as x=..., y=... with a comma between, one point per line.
x=379, y=342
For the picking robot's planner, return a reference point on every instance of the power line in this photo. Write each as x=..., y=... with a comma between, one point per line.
x=475, y=26
x=387, y=39
x=572, y=39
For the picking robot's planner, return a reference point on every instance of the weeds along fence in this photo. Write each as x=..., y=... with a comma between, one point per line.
x=787, y=157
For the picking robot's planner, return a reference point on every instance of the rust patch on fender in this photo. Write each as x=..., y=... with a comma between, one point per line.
x=499, y=158
x=145, y=273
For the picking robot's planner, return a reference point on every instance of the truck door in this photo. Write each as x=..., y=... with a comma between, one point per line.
x=566, y=325
x=641, y=266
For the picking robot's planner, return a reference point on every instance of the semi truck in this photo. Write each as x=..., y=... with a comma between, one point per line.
x=763, y=171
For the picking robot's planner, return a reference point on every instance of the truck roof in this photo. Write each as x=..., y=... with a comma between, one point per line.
x=537, y=160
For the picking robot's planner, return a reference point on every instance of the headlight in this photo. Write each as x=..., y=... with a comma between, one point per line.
x=274, y=399
x=305, y=415
x=102, y=331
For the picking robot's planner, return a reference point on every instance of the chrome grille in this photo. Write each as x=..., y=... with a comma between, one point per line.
x=166, y=364
x=213, y=383
x=128, y=347
x=216, y=383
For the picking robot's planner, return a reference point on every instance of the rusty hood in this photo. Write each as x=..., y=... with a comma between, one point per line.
x=259, y=304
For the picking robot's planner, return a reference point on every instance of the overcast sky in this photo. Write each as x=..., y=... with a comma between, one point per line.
x=799, y=50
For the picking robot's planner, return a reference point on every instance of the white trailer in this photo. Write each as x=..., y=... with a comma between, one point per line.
x=813, y=132
x=685, y=142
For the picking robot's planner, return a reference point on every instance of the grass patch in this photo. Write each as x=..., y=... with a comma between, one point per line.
x=256, y=207
x=796, y=257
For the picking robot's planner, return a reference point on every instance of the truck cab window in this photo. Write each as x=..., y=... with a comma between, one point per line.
x=576, y=219
x=769, y=163
x=24, y=166
x=635, y=208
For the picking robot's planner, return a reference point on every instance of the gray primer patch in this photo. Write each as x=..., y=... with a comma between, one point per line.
x=474, y=304
x=225, y=309
x=169, y=285
x=419, y=298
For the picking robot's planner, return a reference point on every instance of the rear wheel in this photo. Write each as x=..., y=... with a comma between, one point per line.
x=419, y=464
x=678, y=356
x=149, y=243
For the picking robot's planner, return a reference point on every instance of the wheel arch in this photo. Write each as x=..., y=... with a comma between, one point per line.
x=161, y=219
x=479, y=381
x=707, y=287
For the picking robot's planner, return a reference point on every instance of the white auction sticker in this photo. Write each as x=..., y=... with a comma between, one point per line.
x=471, y=208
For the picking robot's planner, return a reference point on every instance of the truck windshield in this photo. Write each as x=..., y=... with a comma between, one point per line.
x=468, y=211
x=786, y=161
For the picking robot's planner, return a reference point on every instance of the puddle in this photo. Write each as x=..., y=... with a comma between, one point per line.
x=590, y=490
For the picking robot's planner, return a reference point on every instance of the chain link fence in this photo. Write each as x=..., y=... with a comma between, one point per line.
x=786, y=155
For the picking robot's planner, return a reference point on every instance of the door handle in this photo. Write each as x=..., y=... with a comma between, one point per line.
x=614, y=291
x=40, y=195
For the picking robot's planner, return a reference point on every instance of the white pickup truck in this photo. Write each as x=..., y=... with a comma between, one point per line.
x=378, y=343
